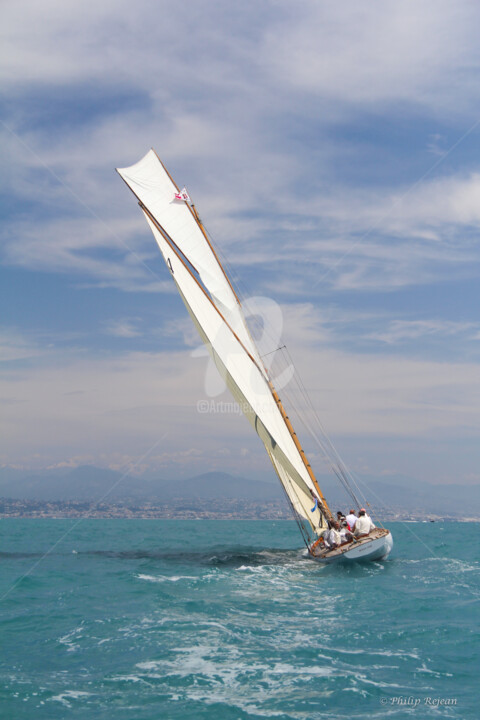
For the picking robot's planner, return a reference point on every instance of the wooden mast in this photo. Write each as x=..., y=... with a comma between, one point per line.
x=193, y=210
x=270, y=384
x=278, y=402
x=299, y=447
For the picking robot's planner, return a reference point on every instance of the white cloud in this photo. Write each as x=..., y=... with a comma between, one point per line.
x=14, y=347
x=86, y=248
x=243, y=102
x=124, y=328
x=389, y=239
x=401, y=330
x=76, y=405
x=377, y=51
x=437, y=144
x=425, y=54
x=218, y=102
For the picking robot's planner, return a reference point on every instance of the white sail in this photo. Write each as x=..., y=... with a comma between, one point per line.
x=299, y=499
x=247, y=384
x=155, y=189
x=217, y=314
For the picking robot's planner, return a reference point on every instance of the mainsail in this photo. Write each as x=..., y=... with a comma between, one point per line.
x=156, y=191
x=217, y=314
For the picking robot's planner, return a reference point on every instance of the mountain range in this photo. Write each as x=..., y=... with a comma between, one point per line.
x=92, y=484
x=89, y=483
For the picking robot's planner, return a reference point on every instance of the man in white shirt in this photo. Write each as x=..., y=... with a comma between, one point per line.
x=332, y=537
x=364, y=525
x=345, y=535
x=351, y=520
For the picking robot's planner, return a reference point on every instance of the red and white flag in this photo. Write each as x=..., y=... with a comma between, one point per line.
x=183, y=195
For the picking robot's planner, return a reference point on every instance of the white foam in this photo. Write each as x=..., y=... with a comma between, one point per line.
x=285, y=669
x=68, y=639
x=435, y=673
x=252, y=568
x=149, y=665
x=165, y=578
x=128, y=678
x=70, y=695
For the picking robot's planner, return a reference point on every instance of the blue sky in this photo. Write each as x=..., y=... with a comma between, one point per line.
x=333, y=153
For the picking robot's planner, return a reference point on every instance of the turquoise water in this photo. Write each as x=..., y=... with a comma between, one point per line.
x=149, y=619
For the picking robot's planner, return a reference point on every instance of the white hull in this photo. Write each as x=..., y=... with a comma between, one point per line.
x=366, y=549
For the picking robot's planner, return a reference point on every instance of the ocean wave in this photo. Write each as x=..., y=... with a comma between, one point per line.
x=165, y=578
x=244, y=630
x=68, y=695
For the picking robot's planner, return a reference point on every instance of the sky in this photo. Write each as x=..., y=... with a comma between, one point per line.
x=332, y=150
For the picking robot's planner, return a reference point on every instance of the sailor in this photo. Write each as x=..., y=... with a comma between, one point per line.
x=341, y=519
x=345, y=535
x=333, y=538
x=364, y=525
x=351, y=520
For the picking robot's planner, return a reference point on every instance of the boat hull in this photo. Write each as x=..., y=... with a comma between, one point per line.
x=376, y=546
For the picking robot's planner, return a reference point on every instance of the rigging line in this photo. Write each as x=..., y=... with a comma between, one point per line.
x=398, y=201
x=224, y=261
x=350, y=475
x=80, y=520
x=342, y=478
x=335, y=467
x=272, y=351
x=238, y=285
x=308, y=400
x=272, y=389
x=297, y=444
x=166, y=237
x=155, y=224
x=406, y=525
x=292, y=404
x=79, y=200
x=327, y=445
x=382, y=502
x=336, y=457
x=240, y=290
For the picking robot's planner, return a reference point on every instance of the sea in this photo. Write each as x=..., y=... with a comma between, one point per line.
x=230, y=620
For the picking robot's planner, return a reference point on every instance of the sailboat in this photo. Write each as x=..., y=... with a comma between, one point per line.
x=216, y=311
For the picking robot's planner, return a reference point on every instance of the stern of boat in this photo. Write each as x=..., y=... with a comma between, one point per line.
x=375, y=546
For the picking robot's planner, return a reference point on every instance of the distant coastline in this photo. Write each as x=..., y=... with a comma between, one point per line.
x=182, y=509
x=88, y=491
x=178, y=509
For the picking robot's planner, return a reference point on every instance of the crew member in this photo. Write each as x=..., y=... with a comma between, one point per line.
x=363, y=525
x=351, y=520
